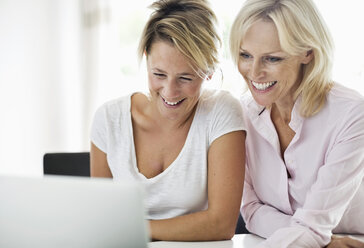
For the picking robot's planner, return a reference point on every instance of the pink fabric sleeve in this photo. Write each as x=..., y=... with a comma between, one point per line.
x=260, y=218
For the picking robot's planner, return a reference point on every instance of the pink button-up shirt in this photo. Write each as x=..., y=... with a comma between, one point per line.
x=325, y=161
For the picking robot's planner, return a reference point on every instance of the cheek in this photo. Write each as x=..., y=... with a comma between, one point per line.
x=243, y=68
x=288, y=73
x=153, y=83
x=191, y=91
x=195, y=89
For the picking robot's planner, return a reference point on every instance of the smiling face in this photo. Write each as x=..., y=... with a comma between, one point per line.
x=272, y=75
x=174, y=86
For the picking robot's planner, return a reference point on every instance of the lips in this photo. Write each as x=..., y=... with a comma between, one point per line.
x=172, y=103
x=262, y=86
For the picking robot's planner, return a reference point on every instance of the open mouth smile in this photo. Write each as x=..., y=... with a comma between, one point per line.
x=263, y=86
x=172, y=104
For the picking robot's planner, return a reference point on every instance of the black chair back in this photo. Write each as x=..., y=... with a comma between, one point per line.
x=240, y=227
x=67, y=164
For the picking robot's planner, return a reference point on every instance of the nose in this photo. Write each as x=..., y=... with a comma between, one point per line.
x=256, y=69
x=171, y=89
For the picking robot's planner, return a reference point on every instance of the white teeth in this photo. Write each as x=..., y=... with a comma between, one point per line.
x=263, y=86
x=171, y=103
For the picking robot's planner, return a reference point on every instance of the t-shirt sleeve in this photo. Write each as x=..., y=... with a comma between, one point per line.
x=226, y=117
x=99, y=129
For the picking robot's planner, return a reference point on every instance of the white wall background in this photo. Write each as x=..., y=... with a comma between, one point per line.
x=60, y=59
x=40, y=93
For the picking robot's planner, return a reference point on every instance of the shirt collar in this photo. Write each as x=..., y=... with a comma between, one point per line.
x=254, y=110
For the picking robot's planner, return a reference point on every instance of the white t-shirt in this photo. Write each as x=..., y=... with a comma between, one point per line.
x=182, y=187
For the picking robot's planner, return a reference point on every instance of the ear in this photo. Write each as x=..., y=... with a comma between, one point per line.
x=307, y=57
x=209, y=76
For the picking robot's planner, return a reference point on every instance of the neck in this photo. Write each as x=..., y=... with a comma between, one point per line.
x=283, y=111
x=282, y=108
x=171, y=124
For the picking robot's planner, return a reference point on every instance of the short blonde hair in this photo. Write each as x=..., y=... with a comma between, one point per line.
x=190, y=26
x=300, y=29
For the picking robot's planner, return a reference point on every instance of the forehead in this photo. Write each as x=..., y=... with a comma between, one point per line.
x=164, y=55
x=262, y=37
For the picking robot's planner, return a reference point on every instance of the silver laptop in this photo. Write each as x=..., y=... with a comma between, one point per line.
x=61, y=211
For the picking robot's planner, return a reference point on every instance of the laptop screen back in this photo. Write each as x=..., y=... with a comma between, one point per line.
x=61, y=211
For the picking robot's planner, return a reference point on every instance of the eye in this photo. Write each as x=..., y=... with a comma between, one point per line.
x=272, y=59
x=186, y=79
x=160, y=75
x=244, y=55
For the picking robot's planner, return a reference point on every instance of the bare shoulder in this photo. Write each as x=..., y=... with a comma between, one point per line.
x=139, y=110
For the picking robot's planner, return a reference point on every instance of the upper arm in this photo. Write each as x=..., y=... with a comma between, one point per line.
x=338, y=180
x=99, y=132
x=98, y=163
x=226, y=166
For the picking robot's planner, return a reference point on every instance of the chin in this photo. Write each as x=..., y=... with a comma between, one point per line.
x=261, y=101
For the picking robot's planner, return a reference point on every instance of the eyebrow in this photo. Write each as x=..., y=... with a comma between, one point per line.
x=278, y=51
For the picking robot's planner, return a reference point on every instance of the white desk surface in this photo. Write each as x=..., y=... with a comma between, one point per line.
x=238, y=241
